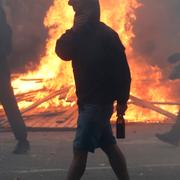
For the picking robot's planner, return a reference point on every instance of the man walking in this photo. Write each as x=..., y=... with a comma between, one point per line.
x=102, y=76
x=7, y=98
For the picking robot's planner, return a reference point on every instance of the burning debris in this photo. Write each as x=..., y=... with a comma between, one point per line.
x=50, y=86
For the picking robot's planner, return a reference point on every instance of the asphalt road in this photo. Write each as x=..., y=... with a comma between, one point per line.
x=51, y=153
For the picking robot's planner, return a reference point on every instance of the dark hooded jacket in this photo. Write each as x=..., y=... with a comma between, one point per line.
x=99, y=63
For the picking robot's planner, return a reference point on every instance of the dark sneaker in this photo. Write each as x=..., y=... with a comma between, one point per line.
x=22, y=147
x=168, y=138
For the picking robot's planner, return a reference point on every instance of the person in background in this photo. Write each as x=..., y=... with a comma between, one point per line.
x=7, y=98
x=173, y=135
x=102, y=76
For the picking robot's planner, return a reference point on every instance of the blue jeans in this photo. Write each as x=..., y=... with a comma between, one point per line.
x=93, y=127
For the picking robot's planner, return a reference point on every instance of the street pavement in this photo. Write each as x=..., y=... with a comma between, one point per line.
x=51, y=153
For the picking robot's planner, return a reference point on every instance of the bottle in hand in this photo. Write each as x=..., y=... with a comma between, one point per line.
x=120, y=127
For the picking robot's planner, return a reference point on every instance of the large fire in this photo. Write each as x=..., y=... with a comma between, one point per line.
x=53, y=74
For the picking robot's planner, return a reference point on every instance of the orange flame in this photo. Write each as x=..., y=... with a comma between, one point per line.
x=54, y=74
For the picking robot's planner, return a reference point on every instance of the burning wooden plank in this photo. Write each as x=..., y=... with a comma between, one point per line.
x=146, y=104
x=36, y=80
x=61, y=93
x=47, y=98
x=21, y=96
x=160, y=103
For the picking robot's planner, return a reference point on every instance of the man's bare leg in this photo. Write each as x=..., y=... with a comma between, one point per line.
x=117, y=161
x=78, y=165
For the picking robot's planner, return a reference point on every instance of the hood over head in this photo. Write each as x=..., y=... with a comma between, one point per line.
x=91, y=8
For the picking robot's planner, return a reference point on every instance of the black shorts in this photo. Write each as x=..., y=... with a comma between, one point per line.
x=93, y=127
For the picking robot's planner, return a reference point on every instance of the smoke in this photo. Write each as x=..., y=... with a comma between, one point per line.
x=29, y=35
x=157, y=32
